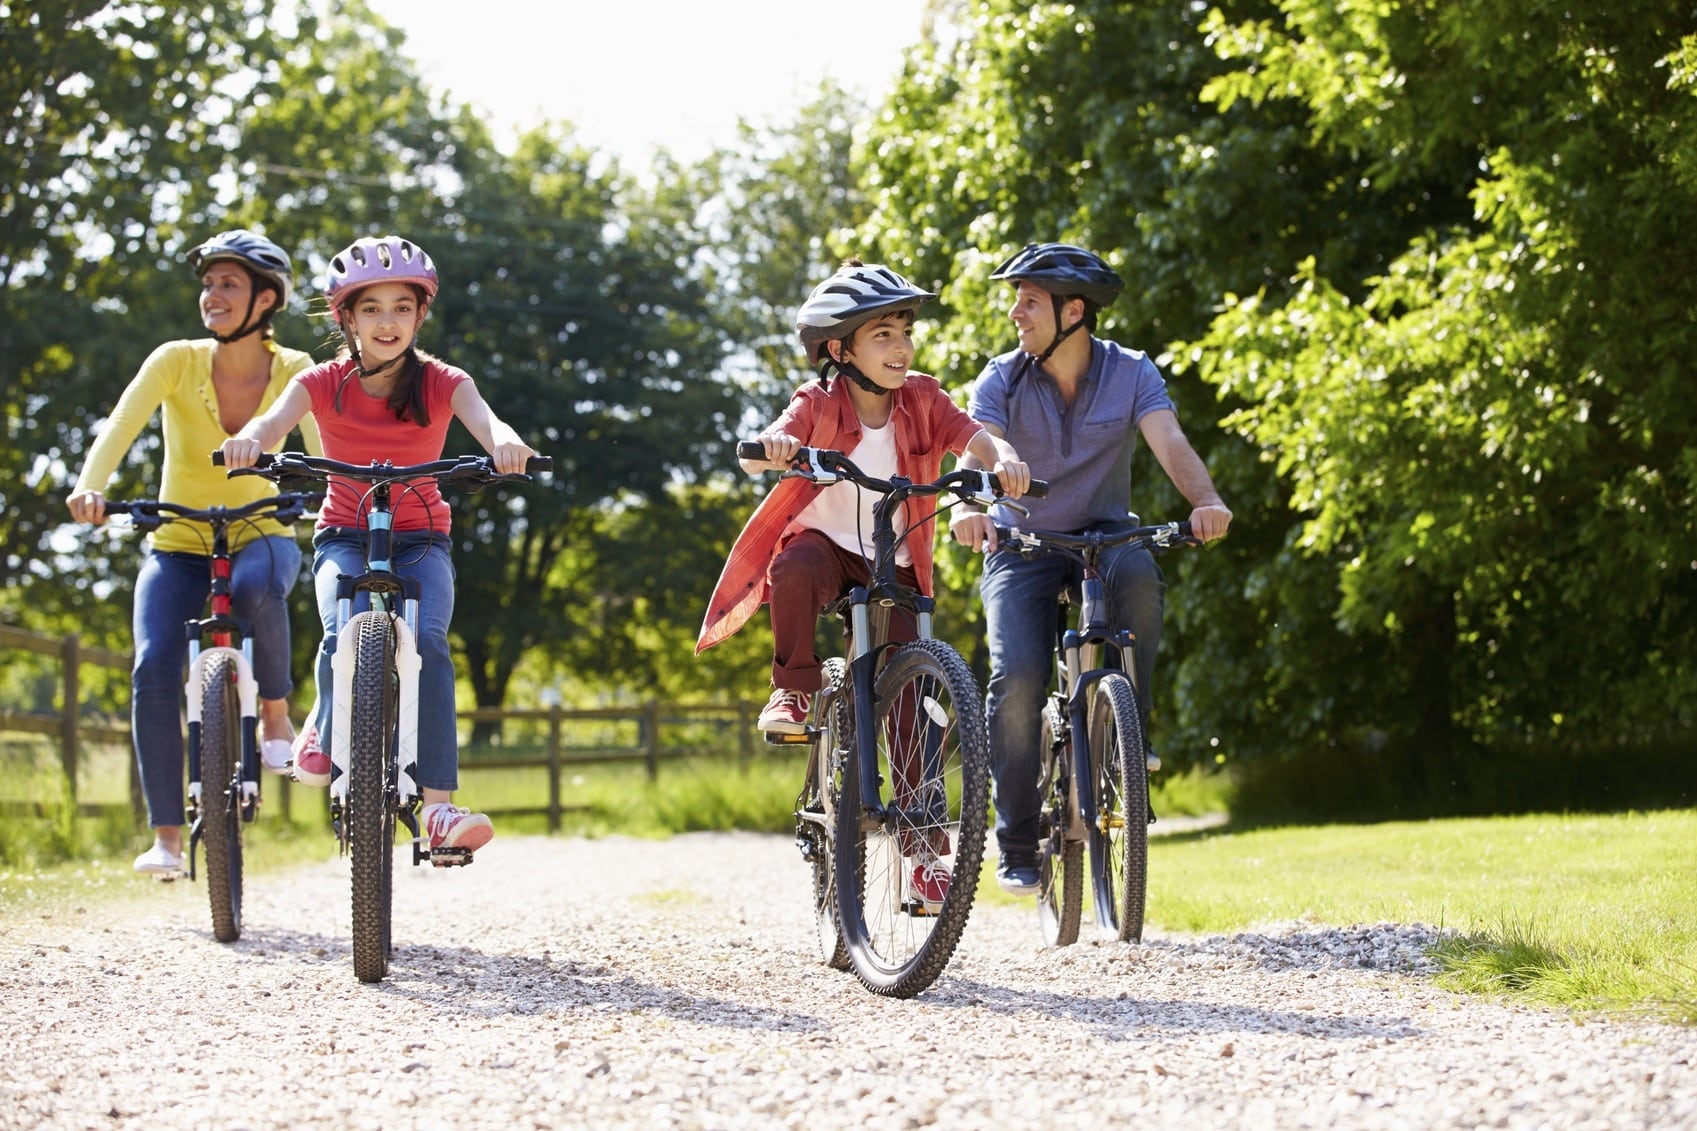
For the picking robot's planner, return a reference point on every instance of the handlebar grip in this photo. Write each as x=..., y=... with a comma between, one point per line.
x=751, y=449
x=218, y=458
x=266, y=459
x=1039, y=489
x=1184, y=528
x=538, y=463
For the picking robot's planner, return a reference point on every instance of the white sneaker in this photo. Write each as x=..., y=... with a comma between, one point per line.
x=276, y=754
x=159, y=861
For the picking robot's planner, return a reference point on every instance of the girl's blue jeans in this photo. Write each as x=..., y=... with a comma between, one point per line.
x=172, y=589
x=420, y=555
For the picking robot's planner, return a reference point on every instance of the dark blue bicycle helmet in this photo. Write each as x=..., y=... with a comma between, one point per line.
x=1063, y=270
x=266, y=264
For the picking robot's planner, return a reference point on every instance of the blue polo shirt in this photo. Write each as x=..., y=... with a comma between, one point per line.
x=1083, y=451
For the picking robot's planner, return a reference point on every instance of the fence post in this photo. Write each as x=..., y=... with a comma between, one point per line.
x=70, y=660
x=651, y=744
x=745, y=736
x=554, y=767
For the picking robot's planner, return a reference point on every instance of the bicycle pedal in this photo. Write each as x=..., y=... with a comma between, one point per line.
x=783, y=738
x=450, y=857
x=917, y=909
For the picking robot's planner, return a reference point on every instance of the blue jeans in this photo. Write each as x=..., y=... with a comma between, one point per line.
x=416, y=554
x=1020, y=613
x=171, y=589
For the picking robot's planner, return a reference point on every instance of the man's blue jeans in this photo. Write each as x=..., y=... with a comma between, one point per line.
x=1020, y=611
x=416, y=554
x=172, y=589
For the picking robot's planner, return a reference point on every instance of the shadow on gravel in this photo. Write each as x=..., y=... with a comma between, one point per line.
x=459, y=981
x=1127, y=1018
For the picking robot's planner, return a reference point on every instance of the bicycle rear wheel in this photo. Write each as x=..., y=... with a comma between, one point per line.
x=1060, y=858
x=933, y=753
x=220, y=793
x=1119, y=840
x=816, y=809
x=371, y=788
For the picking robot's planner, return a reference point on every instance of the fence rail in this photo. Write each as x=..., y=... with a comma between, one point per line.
x=651, y=718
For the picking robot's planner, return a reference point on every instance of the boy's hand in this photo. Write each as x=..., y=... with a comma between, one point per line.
x=239, y=451
x=975, y=531
x=1015, y=478
x=781, y=447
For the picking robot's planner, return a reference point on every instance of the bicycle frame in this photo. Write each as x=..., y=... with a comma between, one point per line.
x=1078, y=670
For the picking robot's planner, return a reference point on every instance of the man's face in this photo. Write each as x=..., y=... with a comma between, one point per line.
x=1033, y=315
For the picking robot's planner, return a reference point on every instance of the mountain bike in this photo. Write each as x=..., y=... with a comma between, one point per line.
x=1095, y=758
x=374, y=721
x=223, y=702
x=898, y=766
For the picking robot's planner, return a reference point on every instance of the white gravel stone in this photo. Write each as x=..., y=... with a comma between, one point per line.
x=673, y=984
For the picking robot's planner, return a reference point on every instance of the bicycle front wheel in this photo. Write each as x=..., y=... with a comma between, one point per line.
x=371, y=788
x=220, y=793
x=907, y=863
x=1119, y=839
x=1060, y=855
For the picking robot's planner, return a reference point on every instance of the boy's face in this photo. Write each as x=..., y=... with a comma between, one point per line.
x=882, y=349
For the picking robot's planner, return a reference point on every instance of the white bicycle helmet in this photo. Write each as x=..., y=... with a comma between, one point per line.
x=856, y=294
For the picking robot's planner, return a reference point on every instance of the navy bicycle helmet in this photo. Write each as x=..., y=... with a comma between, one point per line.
x=1063, y=270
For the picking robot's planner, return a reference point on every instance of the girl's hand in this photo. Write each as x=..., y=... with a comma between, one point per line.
x=511, y=456
x=88, y=506
x=239, y=451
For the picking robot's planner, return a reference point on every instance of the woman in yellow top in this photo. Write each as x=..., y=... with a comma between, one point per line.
x=209, y=389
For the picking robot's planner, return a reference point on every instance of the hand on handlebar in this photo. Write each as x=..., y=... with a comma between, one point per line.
x=512, y=457
x=87, y=506
x=780, y=448
x=239, y=451
x=977, y=532
x=1015, y=478
x=1210, y=522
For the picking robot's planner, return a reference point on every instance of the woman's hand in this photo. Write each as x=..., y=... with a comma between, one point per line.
x=87, y=506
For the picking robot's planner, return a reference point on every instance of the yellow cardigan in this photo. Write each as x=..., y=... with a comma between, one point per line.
x=178, y=376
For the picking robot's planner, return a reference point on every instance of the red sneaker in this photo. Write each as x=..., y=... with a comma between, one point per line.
x=449, y=826
x=312, y=765
x=929, y=883
x=785, y=713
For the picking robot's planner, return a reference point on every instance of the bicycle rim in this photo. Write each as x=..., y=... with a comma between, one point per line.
x=1119, y=841
x=933, y=756
x=817, y=807
x=220, y=793
x=371, y=785
x=1060, y=859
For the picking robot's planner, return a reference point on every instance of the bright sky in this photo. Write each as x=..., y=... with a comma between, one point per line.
x=634, y=75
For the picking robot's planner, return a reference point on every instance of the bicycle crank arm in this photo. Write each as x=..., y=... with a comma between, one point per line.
x=194, y=844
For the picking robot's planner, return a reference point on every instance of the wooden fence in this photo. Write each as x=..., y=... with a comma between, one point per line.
x=654, y=724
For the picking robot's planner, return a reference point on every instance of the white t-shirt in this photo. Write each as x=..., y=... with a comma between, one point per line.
x=843, y=511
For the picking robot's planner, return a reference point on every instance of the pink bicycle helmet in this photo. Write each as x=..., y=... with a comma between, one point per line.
x=378, y=259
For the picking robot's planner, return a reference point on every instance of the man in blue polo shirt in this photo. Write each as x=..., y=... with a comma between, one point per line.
x=1073, y=406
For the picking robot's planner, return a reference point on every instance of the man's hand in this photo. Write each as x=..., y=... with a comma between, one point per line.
x=1015, y=478
x=1210, y=522
x=975, y=531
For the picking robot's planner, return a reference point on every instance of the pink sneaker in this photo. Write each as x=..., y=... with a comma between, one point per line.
x=312, y=765
x=930, y=881
x=785, y=713
x=449, y=826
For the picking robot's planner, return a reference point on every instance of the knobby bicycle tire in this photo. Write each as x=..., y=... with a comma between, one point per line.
x=1120, y=839
x=933, y=756
x=371, y=784
x=820, y=798
x=220, y=793
x=1060, y=858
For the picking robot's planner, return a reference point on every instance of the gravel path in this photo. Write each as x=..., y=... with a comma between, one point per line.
x=620, y=983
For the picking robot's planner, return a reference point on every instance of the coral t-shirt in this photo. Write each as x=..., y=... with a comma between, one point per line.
x=366, y=429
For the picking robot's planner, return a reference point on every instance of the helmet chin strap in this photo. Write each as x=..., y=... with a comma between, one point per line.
x=1062, y=335
x=246, y=329
x=849, y=370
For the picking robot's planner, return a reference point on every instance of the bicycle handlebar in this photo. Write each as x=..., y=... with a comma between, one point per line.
x=150, y=514
x=827, y=465
x=281, y=465
x=1162, y=536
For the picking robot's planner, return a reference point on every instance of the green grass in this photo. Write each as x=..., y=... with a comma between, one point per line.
x=1592, y=912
